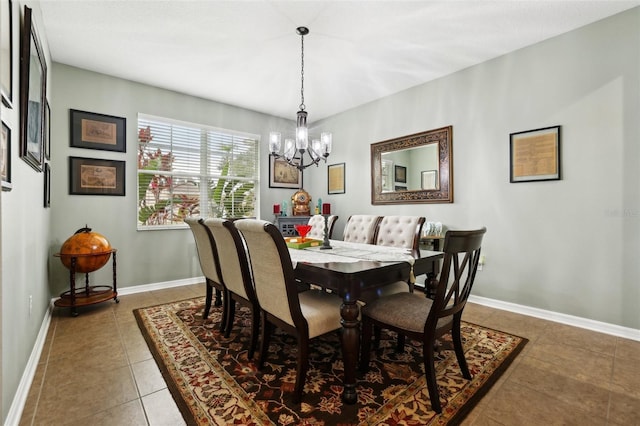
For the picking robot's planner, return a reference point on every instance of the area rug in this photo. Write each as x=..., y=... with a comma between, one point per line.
x=213, y=382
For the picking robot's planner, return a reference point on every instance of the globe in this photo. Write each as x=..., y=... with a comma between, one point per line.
x=91, y=249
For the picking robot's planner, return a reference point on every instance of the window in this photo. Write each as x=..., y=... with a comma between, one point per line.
x=187, y=169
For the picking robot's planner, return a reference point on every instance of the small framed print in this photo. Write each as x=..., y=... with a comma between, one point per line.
x=90, y=176
x=47, y=185
x=47, y=130
x=429, y=180
x=400, y=174
x=98, y=131
x=6, y=158
x=283, y=174
x=535, y=155
x=335, y=178
x=6, y=53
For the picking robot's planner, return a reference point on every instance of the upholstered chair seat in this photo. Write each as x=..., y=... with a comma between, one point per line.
x=317, y=226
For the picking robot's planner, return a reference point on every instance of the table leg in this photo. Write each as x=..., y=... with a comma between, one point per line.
x=350, y=348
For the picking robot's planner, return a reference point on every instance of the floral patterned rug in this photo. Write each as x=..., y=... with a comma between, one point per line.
x=213, y=382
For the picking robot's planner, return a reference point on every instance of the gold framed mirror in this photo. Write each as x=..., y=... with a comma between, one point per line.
x=416, y=168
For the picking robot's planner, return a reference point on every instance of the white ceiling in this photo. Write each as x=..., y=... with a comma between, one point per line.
x=247, y=53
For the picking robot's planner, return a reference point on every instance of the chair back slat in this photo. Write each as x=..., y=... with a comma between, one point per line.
x=457, y=275
x=271, y=268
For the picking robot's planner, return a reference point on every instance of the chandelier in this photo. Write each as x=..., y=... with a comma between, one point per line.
x=294, y=149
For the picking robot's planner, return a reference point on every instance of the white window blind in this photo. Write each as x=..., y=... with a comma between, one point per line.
x=187, y=169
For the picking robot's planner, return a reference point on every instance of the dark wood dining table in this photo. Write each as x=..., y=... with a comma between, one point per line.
x=349, y=280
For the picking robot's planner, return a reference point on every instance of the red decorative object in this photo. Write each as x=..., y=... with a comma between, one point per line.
x=303, y=230
x=276, y=209
x=326, y=208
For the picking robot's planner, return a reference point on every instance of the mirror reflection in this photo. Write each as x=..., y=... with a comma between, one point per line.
x=413, y=169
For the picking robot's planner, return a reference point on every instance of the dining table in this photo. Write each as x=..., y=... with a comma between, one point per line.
x=350, y=269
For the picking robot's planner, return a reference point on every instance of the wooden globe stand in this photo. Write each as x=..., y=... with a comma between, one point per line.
x=88, y=295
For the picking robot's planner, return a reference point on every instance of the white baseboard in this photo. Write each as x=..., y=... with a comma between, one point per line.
x=602, y=327
x=17, y=406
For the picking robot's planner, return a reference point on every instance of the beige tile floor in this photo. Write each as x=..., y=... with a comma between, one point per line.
x=96, y=369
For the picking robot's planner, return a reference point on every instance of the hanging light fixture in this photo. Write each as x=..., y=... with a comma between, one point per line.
x=294, y=148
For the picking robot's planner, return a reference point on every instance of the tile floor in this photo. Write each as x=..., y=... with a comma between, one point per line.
x=96, y=369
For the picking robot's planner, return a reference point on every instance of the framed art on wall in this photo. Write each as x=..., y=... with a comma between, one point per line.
x=98, y=131
x=6, y=53
x=283, y=174
x=429, y=179
x=5, y=154
x=400, y=174
x=33, y=76
x=47, y=130
x=47, y=185
x=535, y=155
x=91, y=176
x=335, y=178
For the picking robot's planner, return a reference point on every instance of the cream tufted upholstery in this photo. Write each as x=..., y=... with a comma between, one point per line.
x=207, y=255
x=400, y=231
x=396, y=231
x=361, y=228
x=317, y=226
x=305, y=315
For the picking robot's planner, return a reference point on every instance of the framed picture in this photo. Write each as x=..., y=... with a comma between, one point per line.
x=6, y=53
x=47, y=185
x=47, y=130
x=90, y=176
x=283, y=174
x=98, y=131
x=33, y=77
x=535, y=155
x=400, y=174
x=429, y=180
x=5, y=153
x=335, y=178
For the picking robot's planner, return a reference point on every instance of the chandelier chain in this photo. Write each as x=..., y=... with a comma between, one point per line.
x=302, y=105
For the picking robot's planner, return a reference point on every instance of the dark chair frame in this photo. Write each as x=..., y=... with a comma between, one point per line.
x=445, y=311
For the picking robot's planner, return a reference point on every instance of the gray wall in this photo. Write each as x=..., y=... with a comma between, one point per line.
x=568, y=246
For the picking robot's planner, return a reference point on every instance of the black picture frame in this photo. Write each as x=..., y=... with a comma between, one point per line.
x=47, y=185
x=33, y=86
x=92, y=130
x=283, y=174
x=6, y=49
x=336, y=178
x=93, y=176
x=5, y=154
x=47, y=130
x=400, y=174
x=534, y=155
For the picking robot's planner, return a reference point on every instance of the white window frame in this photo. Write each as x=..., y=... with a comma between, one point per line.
x=212, y=140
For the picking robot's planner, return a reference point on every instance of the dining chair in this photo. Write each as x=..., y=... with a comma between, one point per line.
x=423, y=319
x=304, y=315
x=402, y=232
x=361, y=228
x=208, y=258
x=236, y=275
x=317, y=226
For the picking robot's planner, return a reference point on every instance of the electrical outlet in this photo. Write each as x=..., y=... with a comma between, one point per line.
x=30, y=305
x=481, y=262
